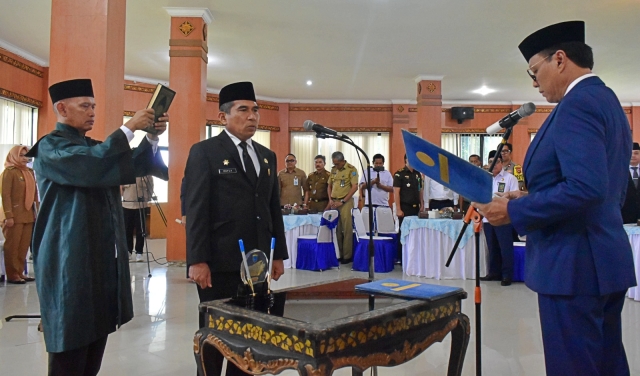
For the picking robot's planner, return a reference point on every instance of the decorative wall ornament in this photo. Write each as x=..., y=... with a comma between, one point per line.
x=129, y=113
x=186, y=28
x=20, y=98
x=413, y=109
x=20, y=65
x=211, y=98
x=346, y=108
x=626, y=110
x=431, y=87
x=400, y=108
x=140, y=89
x=349, y=129
x=544, y=110
x=466, y=130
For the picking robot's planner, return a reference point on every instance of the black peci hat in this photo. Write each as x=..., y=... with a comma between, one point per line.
x=636, y=146
x=237, y=91
x=70, y=89
x=570, y=31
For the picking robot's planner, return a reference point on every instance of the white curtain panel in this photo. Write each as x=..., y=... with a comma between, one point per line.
x=17, y=123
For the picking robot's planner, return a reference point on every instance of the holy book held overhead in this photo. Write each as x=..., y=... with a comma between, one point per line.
x=160, y=102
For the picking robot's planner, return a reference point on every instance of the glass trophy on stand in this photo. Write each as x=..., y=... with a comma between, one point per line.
x=254, y=293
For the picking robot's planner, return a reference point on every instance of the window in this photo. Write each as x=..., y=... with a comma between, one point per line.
x=160, y=187
x=305, y=146
x=18, y=126
x=466, y=144
x=262, y=137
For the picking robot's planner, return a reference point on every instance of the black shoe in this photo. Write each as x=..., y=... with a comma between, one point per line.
x=346, y=261
x=490, y=277
x=506, y=282
x=2, y=278
x=17, y=282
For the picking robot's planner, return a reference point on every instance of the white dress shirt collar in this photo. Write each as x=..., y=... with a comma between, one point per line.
x=575, y=82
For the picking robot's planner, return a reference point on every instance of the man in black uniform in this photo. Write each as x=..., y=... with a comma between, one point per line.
x=407, y=194
x=233, y=194
x=631, y=207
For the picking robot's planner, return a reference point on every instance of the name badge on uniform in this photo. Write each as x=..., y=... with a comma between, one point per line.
x=295, y=181
x=223, y=171
x=342, y=183
x=501, y=187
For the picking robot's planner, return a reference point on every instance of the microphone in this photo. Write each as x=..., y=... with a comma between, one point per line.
x=309, y=125
x=512, y=119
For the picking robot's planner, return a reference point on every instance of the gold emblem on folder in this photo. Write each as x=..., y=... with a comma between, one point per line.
x=225, y=162
x=269, y=172
x=266, y=161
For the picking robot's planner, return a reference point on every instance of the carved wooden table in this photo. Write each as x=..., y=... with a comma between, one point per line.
x=317, y=337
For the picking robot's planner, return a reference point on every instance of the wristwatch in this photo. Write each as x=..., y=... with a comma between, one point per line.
x=342, y=201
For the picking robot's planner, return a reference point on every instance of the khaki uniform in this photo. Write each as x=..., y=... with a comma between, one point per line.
x=292, y=185
x=316, y=185
x=516, y=170
x=342, y=180
x=18, y=237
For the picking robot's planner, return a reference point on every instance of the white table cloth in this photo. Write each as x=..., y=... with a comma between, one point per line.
x=427, y=244
x=633, y=231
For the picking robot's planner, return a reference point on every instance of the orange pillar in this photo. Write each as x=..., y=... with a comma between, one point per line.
x=281, y=141
x=520, y=138
x=188, y=77
x=429, y=119
x=635, y=121
x=87, y=41
x=399, y=121
x=46, y=117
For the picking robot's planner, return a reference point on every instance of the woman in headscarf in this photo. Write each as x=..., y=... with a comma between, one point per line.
x=19, y=202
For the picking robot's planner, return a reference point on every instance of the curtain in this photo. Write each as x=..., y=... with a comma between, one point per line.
x=17, y=123
x=451, y=143
x=306, y=146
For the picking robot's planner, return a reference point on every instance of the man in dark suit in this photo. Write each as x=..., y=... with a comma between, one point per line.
x=578, y=256
x=233, y=194
x=631, y=207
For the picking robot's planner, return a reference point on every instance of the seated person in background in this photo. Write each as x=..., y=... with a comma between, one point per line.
x=500, y=238
x=381, y=184
x=437, y=196
x=316, y=197
x=292, y=182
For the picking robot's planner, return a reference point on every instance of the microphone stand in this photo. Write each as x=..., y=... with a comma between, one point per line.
x=472, y=214
x=369, y=205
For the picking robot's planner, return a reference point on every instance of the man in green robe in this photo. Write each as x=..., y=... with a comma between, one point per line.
x=79, y=246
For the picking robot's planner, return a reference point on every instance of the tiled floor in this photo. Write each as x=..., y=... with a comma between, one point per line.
x=159, y=340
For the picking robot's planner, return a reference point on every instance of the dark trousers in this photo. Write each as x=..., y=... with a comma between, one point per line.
x=500, y=246
x=582, y=335
x=84, y=361
x=131, y=225
x=439, y=204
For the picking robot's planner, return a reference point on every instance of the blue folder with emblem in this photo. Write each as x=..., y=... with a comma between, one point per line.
x=469, y=181
x=408, y=289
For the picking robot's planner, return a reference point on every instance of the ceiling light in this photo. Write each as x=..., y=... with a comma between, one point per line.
x=309, y=83
x=484, y=91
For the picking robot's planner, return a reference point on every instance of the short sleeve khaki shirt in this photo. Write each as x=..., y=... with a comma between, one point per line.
x=342, y=180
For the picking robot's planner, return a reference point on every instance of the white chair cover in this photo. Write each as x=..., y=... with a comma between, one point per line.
x=364, y=215
x=384, y=220
x=326, y=235
x=359, y=227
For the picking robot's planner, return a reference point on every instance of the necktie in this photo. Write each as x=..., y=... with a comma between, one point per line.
x=249, y=168
x=635, y=176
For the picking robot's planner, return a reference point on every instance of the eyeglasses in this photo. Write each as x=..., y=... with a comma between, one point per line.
x=290, y=160
x=530, y=72
x=505, y=151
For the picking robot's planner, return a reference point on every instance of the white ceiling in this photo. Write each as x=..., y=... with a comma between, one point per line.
x=363, y=50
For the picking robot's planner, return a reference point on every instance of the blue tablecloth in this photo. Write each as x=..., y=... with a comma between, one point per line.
x=315, y=256
x=384, y=253
x=449, y=227
x=293, y=221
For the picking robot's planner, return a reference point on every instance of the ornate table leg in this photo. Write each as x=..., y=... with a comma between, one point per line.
x=459, y=342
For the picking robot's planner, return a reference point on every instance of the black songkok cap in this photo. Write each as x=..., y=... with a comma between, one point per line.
x=636, y=146
x=70, y=89
x=492, y=153
x=570, y=31
x=237, y=92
